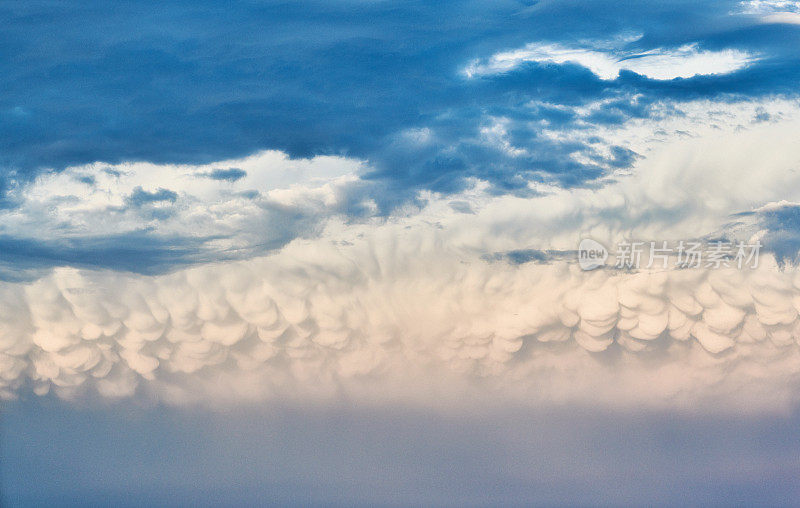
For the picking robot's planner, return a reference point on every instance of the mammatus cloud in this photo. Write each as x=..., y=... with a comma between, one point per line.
x=414, y=306
x=606, y=61
x=401, y=317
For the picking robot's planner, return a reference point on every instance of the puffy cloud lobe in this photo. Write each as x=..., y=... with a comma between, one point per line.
x=390, y=316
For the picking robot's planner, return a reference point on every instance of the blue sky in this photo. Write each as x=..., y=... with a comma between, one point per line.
x=385, y=83
x=284, y=215
x=191, y=82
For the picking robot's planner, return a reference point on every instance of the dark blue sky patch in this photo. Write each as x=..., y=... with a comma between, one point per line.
x=226, y=175
x=140, y=197
x=522, y=256
x=89, y=180
x=139, y=252
x=144, y=251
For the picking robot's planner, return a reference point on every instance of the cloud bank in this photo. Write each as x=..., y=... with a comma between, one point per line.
x=403, y=318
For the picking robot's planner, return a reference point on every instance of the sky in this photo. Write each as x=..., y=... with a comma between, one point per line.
x=307, y=252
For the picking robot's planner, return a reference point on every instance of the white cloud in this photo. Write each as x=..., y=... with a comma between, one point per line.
x=774, y=11
x=660, y=63
x=785, y=18
x=95, y=199
x=767, y=6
